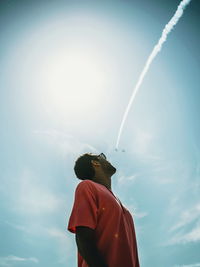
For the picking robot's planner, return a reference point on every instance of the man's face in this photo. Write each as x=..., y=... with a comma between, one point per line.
x=107, y=167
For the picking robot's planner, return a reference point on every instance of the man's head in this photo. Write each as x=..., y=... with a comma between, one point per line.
x=88, y=166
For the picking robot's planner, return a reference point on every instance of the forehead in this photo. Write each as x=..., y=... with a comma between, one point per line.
x=93, y=155
x=99, y=157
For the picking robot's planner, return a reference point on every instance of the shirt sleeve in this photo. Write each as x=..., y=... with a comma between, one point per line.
x=84, y=211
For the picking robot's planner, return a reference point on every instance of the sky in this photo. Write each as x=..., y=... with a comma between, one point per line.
x=67, y=71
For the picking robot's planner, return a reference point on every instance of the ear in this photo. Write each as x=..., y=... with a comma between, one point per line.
x=95, y=162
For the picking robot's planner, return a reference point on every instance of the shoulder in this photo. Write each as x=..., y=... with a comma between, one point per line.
x=87, y=185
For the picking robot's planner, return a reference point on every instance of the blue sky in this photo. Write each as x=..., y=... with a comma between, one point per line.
x=68, y=69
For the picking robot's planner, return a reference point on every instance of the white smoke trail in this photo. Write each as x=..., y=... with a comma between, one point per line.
x=168, y=27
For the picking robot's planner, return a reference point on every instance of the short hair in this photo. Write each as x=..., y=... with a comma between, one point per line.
x=83, y=167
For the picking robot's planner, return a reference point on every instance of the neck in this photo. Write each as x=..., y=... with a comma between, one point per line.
x=104, y=180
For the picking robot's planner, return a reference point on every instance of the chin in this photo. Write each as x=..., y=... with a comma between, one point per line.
x=113, y=170
x=110, y=169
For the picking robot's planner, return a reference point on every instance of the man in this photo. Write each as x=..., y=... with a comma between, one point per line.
x=104, y=228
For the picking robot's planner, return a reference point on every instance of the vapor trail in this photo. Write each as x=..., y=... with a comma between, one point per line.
x=168, y=27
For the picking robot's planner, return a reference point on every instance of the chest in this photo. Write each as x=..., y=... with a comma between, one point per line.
x=109, y=204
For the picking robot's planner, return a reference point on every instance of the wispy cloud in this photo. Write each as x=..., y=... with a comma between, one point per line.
x=34, y=198
x=65, y=243
x=66, y=144
x=186, y=217
x=192, y=236
x=143, y=141
x=135, y=210
x=136, y=214
x=11, y=260
x=23, y=228
x=123, y=179
x=141, y=214
x=180, y=232
x=189, y=265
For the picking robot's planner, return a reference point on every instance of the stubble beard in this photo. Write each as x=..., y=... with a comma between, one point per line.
x=110, y=169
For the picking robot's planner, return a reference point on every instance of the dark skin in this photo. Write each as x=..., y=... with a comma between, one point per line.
x=85, y=236
x=85, y=240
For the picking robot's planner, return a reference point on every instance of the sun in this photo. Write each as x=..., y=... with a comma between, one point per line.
x=73, y=82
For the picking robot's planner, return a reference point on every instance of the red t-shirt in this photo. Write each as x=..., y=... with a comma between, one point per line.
x=96, y=207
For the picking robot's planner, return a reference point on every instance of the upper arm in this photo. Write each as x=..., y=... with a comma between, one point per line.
x=85, y=232
x=85, y=208
x=84, y=237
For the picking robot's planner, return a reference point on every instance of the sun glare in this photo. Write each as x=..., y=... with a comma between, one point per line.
x=73, y=81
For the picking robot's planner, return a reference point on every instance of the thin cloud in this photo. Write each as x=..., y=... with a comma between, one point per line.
x=65, y=144
x=25, y=229
x=187, y=227
x=143, y=140
x=11, y=260
x=189, y=265
x=187, y=216
x=65, y=243
x=141, y=214
x=183, y=238
x=32, y=198
x=123, y=179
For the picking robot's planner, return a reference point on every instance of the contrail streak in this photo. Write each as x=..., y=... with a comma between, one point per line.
x=168, y=27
